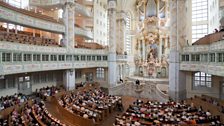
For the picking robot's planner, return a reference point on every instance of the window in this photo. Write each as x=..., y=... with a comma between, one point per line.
x=220, y=57
x=104, y=58
x=36, y=57
x=76, y=57
x=201, y=79
x=6, y=57
x=128, y=36
x=98, y=58
x=100, y=73
x=88, y=58
x=53, y=57
x=68, y=57
x=212, y=57
x=83, y=57
x=45, y=57
x=61, y=57
x=199, y=19
x=185, y=57
x=195, y=57
x=27, y=57
x=17, y=57
x=93, y=58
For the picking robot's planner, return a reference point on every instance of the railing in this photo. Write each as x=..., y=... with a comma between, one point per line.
x=122, y=57
x=83, y=32
x=48, y=2
x=209, y=50
x=29, y=19
x=12, y=66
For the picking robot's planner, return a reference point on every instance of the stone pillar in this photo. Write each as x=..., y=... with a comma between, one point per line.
x=112, y=57
x=160, y=48
x=69, y=21
x=69, y=79
x=143, y=50
x=121, y=22
x=177, y=78
x=157, y=8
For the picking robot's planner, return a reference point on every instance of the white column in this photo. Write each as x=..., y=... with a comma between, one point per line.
x=160, y=48
x=69, y=79
x=143, y=50
x=177, y=78
x=112, y=43
x=69, y=21
x=157, y=8
x=121, y=28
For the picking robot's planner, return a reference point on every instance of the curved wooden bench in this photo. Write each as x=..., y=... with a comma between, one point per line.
x=70, y=117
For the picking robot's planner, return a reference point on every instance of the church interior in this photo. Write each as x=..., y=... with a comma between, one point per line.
x=111, y=62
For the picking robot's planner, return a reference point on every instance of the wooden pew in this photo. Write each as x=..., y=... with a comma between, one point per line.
x=72, y=118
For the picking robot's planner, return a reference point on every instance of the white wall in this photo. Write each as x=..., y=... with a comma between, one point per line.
x=9, y=91
x=38, y=86
x=213, y=91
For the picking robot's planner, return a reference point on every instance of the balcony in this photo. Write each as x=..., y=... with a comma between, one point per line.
x=83, y=10
x=121, y=58
x=206, y=55
x=58, y=58
x=29, y=19
x=88, y=2
x=125, y=58
x=84, y=33
x=48, y=2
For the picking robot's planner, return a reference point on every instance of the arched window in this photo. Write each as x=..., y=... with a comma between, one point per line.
x=128, y=36
x=201, y=79
x=100, y=73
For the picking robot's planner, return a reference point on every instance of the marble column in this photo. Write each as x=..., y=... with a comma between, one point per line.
x=157, y=8
x=121, y=28
x=160, y=48
x=69, y=79
x=112, y=57
x=69, y=21
x=177, y=78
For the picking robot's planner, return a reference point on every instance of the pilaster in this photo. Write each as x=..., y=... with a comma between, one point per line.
x=177, y=78
x=69, y=21
x=69, y=79
x=112, y=43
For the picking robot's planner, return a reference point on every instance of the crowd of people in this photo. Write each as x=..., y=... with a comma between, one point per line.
x=157, y=113
x=12, y=100
x=89, y=104
x=47, y=91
